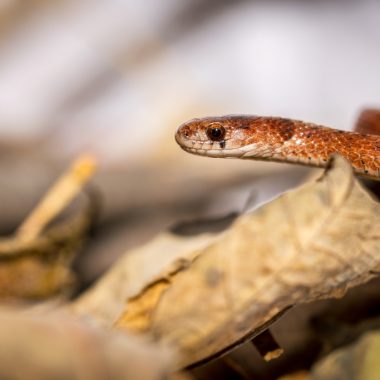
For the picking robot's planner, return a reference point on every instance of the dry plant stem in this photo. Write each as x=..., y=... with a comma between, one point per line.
x=267, y=346
x=236, y=367
x=58, y=197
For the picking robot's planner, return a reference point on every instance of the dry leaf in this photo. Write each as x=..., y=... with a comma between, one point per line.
x=357, y=361
x=128, y=276
x=299, y=375
x=57, y=346
x=41, y=268
x=314, y=242
x=35, y=262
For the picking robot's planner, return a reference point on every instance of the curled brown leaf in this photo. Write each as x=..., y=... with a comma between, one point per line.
x=311, y=243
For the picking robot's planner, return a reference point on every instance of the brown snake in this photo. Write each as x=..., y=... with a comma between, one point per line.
x=281, y=140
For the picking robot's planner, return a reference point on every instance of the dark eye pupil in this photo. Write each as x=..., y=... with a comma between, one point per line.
x=216, y=133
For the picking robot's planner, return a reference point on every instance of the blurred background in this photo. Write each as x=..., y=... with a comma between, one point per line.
x=116, y=77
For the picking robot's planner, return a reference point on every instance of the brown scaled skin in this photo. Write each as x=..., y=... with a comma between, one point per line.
x=279, y=139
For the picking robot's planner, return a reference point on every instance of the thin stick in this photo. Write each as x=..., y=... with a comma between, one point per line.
x=58, y=197
x=267, y=346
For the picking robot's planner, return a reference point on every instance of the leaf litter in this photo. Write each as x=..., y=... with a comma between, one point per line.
x=311, y=243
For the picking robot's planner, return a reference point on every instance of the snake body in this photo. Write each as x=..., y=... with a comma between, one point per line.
x=279, y=139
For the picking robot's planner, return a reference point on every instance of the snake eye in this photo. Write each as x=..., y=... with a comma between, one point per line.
x=216, y=132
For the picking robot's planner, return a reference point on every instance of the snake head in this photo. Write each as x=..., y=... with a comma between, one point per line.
x=226, y=136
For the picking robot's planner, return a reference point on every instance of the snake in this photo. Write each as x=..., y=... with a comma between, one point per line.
x=281, y=140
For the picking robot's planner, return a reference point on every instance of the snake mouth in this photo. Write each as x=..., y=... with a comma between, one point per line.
x=217, y=153
x=220, y=149
x=240, y=152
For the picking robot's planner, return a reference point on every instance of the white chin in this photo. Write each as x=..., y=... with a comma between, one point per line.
x=215, y=153
x=243, y=152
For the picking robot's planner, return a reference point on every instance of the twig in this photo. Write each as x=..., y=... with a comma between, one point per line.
x=58, y=197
